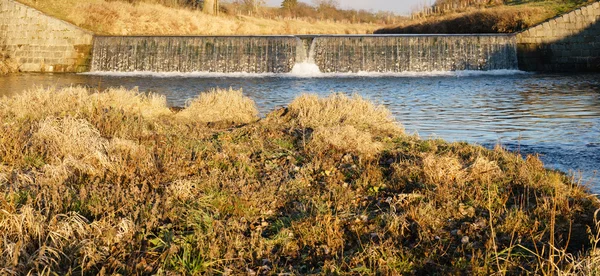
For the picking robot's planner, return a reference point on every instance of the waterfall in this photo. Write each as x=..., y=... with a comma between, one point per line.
x=305, y=55
x=415, y=53
x=260, y=54
x=306, y=66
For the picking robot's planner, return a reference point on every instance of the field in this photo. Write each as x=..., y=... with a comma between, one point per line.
x=125, y=18
x=513, y=16
x=116, y=182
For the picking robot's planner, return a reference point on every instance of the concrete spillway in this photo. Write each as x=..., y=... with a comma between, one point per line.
x=279, y=54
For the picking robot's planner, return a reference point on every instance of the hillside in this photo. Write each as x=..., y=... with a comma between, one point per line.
x=512, y=16
x=126, y=18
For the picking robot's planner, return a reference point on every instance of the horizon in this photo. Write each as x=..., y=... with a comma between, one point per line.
x=403, y=7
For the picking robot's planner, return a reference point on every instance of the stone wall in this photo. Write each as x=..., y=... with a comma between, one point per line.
x=568, y=43
x=40, y=43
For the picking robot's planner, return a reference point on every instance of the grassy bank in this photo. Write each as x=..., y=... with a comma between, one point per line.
x=118, y=182
x=125, y=18
x=513, y=16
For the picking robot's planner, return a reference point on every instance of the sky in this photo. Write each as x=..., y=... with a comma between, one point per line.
x=400, y=7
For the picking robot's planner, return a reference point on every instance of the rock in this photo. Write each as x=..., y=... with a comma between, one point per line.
x=465, y=239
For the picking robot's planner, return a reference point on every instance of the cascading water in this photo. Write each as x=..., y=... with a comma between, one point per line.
x=306, y=66
x=260, y=54
x=415, y=53
x=305, y=55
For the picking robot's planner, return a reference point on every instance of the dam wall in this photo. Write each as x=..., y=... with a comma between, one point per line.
x=221, y=54
x=279, y=54
x=40, y=43
x=568, y=43
x=414, y=53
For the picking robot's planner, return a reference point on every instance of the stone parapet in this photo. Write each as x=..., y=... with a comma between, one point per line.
x=568, y=43
x=40, y=43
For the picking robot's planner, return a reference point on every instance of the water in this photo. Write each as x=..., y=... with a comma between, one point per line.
x=254, y=54
x=556, y=116
x=328, y=53
x=414, y=53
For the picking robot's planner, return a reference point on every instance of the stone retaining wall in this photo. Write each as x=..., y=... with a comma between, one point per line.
x=568, y=43
x=40, y=43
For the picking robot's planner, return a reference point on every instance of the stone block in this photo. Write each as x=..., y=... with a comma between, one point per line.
x=585, y=52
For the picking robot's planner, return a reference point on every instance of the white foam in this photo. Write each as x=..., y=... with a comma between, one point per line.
x=308, y=70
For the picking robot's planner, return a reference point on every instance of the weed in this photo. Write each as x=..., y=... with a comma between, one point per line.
x=115, y=182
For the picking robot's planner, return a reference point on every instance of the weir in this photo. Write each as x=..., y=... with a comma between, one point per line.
x=281, y=54
x=260, y=54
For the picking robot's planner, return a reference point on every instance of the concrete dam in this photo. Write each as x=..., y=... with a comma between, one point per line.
x=41, y=43
x=279, y=54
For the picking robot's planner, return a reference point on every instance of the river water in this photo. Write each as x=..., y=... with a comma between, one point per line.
x=554, y=115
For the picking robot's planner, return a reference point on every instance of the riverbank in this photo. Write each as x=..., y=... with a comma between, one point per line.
x=117, y=182
x=514, y=16
x=124, y=18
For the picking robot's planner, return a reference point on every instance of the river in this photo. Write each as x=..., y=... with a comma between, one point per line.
x=554, y=115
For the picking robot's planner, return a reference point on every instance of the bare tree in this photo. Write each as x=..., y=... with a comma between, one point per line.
x=211, y=7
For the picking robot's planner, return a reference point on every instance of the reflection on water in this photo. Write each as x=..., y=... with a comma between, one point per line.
x=556, y=116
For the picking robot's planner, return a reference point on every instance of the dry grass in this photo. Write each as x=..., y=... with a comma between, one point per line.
x=344, y=138
x=221, y=106
x=7, y=65
x=117, y=183
x=512, y=16
x=124, y=18
x=339, y=109
x=503, y=19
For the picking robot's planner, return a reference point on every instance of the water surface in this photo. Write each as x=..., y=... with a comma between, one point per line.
x=556, y=116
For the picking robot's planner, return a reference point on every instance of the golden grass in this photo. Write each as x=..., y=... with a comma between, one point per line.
x=221, y=106
x=124, y=18
x=339, y=109
x=512, y=16
x=345, y=138
x=501, y=19
x=115, y=182
x=7, y=64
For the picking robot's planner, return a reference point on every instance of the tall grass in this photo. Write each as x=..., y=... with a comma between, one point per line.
x=486, y=17
x=116, y=182
x=221, y=106
x=502, y=19
x=154, y=18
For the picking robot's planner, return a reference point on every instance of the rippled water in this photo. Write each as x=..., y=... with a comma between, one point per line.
x=557, y=116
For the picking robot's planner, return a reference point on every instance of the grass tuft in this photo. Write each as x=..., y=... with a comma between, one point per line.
x=115, y=182
x=341, y=110
x=221, y=106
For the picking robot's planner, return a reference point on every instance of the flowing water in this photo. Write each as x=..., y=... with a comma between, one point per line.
x=555, y=116
x=279, y=54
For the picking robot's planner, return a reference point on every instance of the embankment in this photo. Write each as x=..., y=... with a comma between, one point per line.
x=568, y=43
x=40, y=43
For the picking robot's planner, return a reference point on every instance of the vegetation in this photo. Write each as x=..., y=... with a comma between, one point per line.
x=474, y=16
x=7, y=64
x=116, y=182
x=173, y=17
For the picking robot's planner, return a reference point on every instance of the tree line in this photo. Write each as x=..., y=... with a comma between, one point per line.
x=317, y=10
